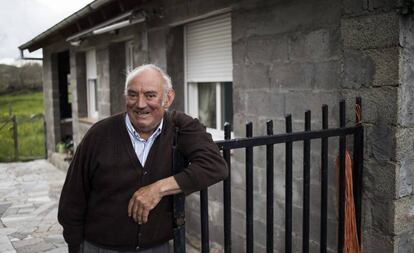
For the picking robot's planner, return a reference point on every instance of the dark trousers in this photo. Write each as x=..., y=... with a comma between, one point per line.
x=87, y=247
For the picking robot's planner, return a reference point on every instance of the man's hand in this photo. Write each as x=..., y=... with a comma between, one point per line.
x=147, y=198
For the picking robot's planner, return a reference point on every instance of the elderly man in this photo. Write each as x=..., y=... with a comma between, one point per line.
x=117, y=193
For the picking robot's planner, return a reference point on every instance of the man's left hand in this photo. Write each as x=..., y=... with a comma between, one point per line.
x=143, y=201
x=147, y=198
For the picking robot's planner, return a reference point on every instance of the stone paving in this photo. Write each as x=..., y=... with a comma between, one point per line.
x=29, y=194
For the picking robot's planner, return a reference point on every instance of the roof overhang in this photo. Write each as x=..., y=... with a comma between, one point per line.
x=96, y=15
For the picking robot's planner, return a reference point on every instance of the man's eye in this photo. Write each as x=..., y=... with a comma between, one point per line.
x=151, y=95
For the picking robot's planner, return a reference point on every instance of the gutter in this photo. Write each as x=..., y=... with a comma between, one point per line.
x=123, y=20
x=29, y=58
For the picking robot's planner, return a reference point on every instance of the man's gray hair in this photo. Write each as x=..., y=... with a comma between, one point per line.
x=136, y=71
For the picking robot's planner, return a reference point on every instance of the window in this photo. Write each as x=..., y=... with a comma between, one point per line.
x=91, y=84
x=209, y=72
x=211, y=103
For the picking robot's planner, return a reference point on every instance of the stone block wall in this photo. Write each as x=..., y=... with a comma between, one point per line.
x=287, y=59
x=51, y=102
x=117, y=74
x=370, y=32
x=404, y=205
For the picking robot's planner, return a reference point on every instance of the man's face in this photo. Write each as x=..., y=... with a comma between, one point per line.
x=144, y=101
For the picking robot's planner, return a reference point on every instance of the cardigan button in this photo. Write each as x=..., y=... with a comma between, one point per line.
x=137, y=248
x=145, y=172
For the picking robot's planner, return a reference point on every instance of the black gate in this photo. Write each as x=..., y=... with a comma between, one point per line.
x=269, y=141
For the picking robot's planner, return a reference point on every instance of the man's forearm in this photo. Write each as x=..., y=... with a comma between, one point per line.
x=168, y=186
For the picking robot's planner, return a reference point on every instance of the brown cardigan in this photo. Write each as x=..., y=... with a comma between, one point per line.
x=105, y=172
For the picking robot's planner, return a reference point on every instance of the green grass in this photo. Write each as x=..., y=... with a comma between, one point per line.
x=30, y=130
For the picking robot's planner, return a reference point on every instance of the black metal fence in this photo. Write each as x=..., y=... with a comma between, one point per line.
x=288, y=139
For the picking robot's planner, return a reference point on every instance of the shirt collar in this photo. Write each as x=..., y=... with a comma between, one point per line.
x=136, y=135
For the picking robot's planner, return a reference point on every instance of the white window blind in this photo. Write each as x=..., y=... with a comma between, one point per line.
x=91, y=80
x=208, y=50
x=91, y=64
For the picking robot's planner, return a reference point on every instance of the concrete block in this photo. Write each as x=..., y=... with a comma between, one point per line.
x=377, y=242
x=406, y=102
x=328, y=75
x=239, y=52
x=407, y=32
x=380, y=142
x=386, y=63
x=239, y=100
x=104, y=110
x=379, y=179
x=405, y=149
x=292, y=76
x=405, y=182
x=266, y=49
x=358, y=7
x=299, y=102
x=251, y=75
x=265, y=104
x=359, y=69
x=381, y=5
x=315, y=45
x=407, y=66
x=283, y=18
x=378, y=213
x=373, y=31
x=404, y=242
x=157, y=41
x=354, y=7
x=117, y=75
x=404, y=215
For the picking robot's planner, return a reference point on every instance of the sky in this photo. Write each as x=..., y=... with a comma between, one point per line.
x=22, y=20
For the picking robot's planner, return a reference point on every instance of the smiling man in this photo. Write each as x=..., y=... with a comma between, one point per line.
x=117, y=193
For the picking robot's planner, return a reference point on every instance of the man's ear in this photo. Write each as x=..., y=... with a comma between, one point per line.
x=169, y=99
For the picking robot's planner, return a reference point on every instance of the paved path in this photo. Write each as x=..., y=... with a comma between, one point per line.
x=29, y=194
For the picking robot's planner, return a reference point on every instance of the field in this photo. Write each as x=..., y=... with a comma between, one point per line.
x=27, y=107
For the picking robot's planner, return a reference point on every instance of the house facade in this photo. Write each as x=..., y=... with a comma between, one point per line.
x=252, y=60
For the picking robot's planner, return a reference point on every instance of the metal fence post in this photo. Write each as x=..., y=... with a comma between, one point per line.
x=15, y=138
x=178, y=201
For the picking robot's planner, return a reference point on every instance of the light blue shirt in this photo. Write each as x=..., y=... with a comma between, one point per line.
x=141, y=146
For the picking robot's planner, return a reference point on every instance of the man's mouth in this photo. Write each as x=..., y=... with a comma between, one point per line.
x=142, y=113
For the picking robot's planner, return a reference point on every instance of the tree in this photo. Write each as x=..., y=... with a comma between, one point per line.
x=26, y=77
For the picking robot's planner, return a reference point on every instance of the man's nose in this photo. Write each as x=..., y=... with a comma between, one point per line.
x=141, y=103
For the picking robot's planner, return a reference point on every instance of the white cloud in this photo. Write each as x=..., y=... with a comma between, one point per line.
x=22, y=20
